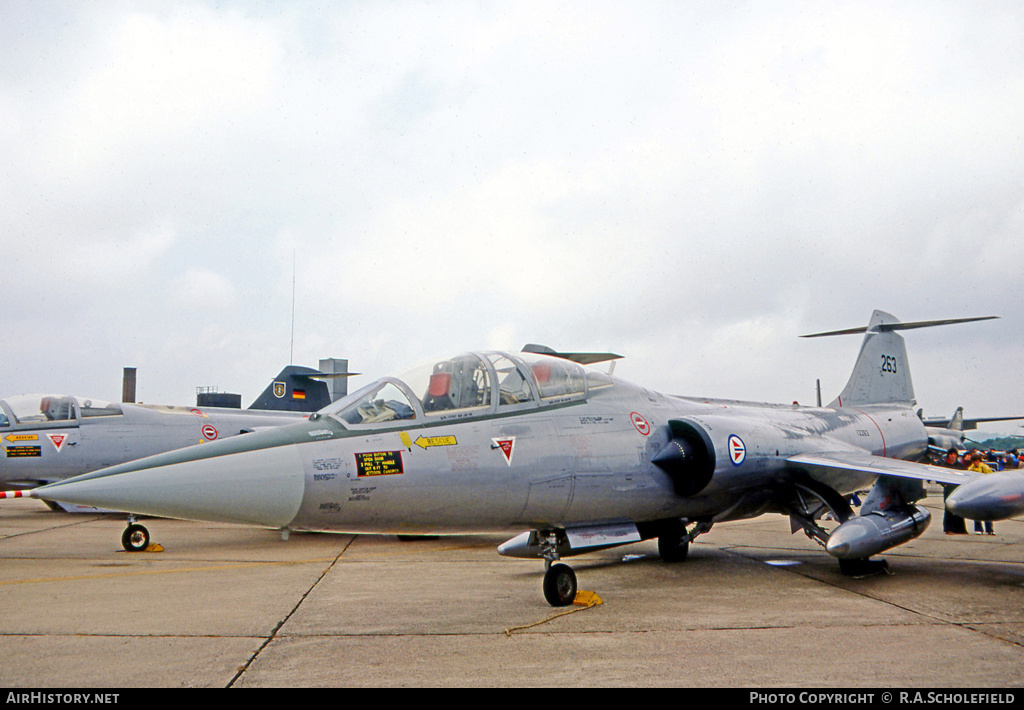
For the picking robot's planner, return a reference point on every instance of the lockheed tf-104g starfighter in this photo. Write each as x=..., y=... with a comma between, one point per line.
x=50, y=437
x=577, y=459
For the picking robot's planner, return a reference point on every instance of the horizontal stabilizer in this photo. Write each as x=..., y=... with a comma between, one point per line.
x=581, y=358
x=887, y=327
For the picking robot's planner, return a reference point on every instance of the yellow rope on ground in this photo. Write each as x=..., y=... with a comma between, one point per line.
x=584, y=600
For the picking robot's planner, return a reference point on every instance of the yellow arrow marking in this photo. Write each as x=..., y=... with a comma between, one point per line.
x=426, y=441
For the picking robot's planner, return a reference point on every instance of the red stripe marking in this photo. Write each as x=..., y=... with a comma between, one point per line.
x=885, y=450
x=15, y=494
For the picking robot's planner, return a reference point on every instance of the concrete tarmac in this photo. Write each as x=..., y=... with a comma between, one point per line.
x=752, y=606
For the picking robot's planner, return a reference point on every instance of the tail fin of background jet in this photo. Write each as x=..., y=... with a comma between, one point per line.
x=296, y=389
x=882, y=374
x=959, y=423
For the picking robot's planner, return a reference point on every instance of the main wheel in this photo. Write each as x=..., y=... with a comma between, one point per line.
x=559, y=585
x=135, y=538
x=671, y=546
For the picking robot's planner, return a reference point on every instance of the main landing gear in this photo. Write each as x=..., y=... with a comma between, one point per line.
x=674, y=539
x=819, y=510
x=135, y=537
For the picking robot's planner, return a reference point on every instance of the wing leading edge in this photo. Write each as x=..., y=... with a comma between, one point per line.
x=994, y=496
x=882, y=466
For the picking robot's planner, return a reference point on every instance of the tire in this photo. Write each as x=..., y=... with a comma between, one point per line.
x=671, y=548
x=135, y=538
x=560, y=585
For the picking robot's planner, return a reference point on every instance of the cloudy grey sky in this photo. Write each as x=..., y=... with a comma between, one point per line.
x=689, y=184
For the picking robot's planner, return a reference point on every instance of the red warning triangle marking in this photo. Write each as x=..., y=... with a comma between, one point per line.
x=506, y=446
x=58, y=440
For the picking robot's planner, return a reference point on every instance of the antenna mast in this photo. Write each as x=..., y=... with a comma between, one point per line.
x=291, y=353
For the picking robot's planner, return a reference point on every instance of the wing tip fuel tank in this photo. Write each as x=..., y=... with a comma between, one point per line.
x=866, y=535
x=994, y=496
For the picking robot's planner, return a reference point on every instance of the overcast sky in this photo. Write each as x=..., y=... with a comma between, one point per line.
x=692, y=185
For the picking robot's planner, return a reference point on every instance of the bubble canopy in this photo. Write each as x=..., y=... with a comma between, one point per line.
x=468, y=386
x=42, y=409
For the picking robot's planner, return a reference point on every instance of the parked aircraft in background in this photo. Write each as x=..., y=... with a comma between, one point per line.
x=944, y=435
x=303, y=389
x=46, y=438
x=579, y=460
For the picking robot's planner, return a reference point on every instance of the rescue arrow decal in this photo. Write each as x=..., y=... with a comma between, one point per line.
x=428, y=441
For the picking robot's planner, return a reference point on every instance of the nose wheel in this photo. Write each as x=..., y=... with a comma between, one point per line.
x=560, y=585
x=135, y=537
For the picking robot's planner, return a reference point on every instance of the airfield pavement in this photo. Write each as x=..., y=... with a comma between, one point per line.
x=754, y=606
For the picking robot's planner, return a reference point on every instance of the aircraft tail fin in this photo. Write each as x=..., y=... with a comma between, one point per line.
x=957, y=421
x=295, y=389
x=882, y=374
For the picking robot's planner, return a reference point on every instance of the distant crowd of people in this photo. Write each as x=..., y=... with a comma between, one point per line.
x=991, y=459
x=980, y=462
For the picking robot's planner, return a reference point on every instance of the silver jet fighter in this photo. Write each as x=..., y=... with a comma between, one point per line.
x=46, y=438
x=577, y=459
x=50, y=437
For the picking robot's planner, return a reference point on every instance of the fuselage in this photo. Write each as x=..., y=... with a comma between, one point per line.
x=578, y=463
x=496, y=442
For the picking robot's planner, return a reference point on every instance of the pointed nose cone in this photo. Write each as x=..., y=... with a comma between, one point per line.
x=263, y=487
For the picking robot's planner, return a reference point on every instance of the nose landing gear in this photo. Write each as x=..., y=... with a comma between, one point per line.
x=559, y=584
x=135, y=537
x=559, y=580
